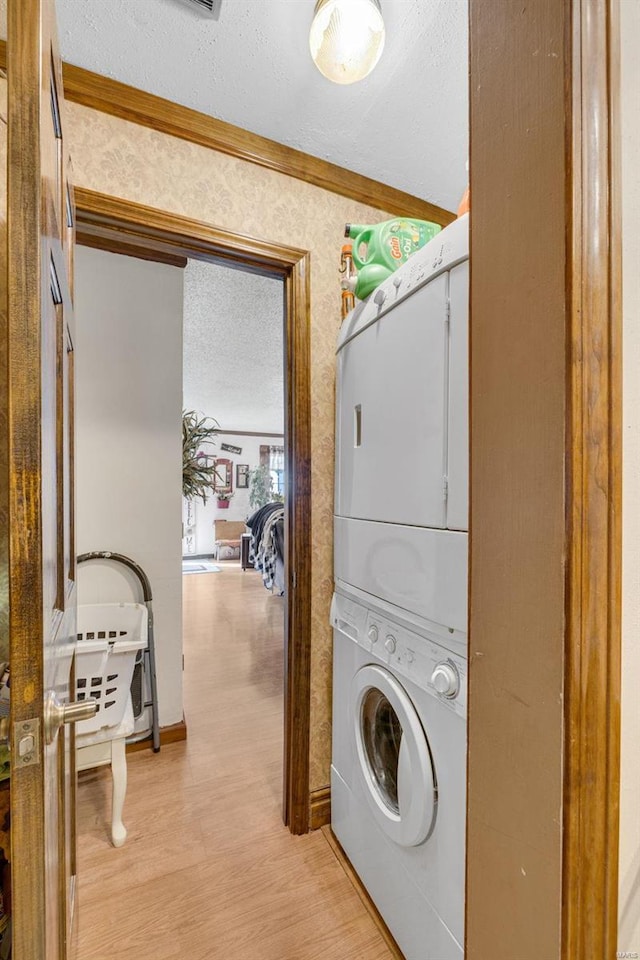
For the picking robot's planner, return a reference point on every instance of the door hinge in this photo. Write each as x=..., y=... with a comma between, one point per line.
x=447, y=312
x=294, y=580
x=26, y=743
x=445, y=489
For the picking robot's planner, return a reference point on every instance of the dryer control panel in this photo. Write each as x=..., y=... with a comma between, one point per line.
x=447, y=248
x=422, y=661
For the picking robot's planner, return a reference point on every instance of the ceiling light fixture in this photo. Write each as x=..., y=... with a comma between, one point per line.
x=346, y=38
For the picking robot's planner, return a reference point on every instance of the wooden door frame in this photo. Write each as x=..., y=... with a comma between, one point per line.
x=545, y=553
x=134, y=229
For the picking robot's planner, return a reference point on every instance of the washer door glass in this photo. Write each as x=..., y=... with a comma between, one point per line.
x=394, y=760
x=381, y=733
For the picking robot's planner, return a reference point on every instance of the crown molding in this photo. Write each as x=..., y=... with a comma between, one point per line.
x=120, y=100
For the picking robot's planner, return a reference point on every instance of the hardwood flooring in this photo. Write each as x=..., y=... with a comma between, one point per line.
x=208, y=871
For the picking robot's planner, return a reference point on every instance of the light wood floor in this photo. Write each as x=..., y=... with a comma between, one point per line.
x=208, y=872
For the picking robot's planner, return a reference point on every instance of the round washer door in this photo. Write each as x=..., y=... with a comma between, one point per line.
x=394, y=759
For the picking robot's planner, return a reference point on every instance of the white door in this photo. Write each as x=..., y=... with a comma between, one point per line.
x=393, y=757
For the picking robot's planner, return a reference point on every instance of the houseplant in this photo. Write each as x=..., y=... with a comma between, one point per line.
x=223, y=498
x=261, y=487
x=198, y=467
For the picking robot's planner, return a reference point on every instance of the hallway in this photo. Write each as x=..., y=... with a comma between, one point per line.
x=208, y=872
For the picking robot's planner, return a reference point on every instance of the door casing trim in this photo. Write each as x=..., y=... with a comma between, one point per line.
x=117, y=221
x=545, y=610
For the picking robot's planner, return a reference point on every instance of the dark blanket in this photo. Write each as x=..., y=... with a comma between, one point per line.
x=258, y=519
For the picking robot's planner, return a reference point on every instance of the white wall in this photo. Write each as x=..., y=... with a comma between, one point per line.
x=238, y=508
x=129, y=441
x=629, y=890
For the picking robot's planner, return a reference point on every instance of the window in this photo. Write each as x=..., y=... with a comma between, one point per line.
x=273, y=457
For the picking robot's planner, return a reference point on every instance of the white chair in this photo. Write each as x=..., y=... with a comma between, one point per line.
x=109, y=638
x=93, y=750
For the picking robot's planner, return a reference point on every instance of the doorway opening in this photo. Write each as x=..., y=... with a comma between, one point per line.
x=234, y=563
x=147, y=233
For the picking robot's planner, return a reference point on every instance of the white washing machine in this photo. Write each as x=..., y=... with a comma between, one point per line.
x=398, y=777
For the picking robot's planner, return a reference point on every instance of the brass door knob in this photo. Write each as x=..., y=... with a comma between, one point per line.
x=56, y=713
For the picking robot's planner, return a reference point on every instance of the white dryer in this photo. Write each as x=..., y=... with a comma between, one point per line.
x=401, y=493
x=399, y=772
x=402, y=393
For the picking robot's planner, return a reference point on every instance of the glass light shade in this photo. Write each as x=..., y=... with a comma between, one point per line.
x=346, y=38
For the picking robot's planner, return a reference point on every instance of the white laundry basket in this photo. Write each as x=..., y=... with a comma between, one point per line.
x=109, y=638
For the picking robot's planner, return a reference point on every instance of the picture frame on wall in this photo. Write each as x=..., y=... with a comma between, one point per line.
x=242, y=476
x=223, y=479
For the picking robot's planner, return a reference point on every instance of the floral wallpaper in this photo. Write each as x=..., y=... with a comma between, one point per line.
x=120, y=158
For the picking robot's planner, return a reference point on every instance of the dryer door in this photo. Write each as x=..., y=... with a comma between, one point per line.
x=393, y=757
x=391, y=416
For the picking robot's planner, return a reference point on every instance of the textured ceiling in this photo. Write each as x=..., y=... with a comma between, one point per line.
x=405, y=125
x=233, y=347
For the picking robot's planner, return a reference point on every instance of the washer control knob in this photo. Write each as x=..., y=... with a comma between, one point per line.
x=380, y=297
x=397, y=282
x=372, y=633
x=445, y=679
x=410, y=656
x=390, y=643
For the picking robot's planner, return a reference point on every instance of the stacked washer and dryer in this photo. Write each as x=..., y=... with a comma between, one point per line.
x=399, y=611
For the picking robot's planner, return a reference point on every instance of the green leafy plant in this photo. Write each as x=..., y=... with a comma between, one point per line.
x=260, y=484
x=198, y=467
x=222, y=495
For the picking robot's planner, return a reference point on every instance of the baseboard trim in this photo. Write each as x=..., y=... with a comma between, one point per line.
x=371, y=908
x=319, y=808
x=171, y=734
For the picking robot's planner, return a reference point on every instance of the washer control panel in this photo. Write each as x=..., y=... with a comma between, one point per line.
x=446, y=679
x=425, y=663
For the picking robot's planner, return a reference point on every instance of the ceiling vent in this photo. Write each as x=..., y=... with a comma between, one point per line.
x=211, y=7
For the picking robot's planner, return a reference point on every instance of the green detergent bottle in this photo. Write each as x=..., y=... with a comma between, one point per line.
x=380, y=248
